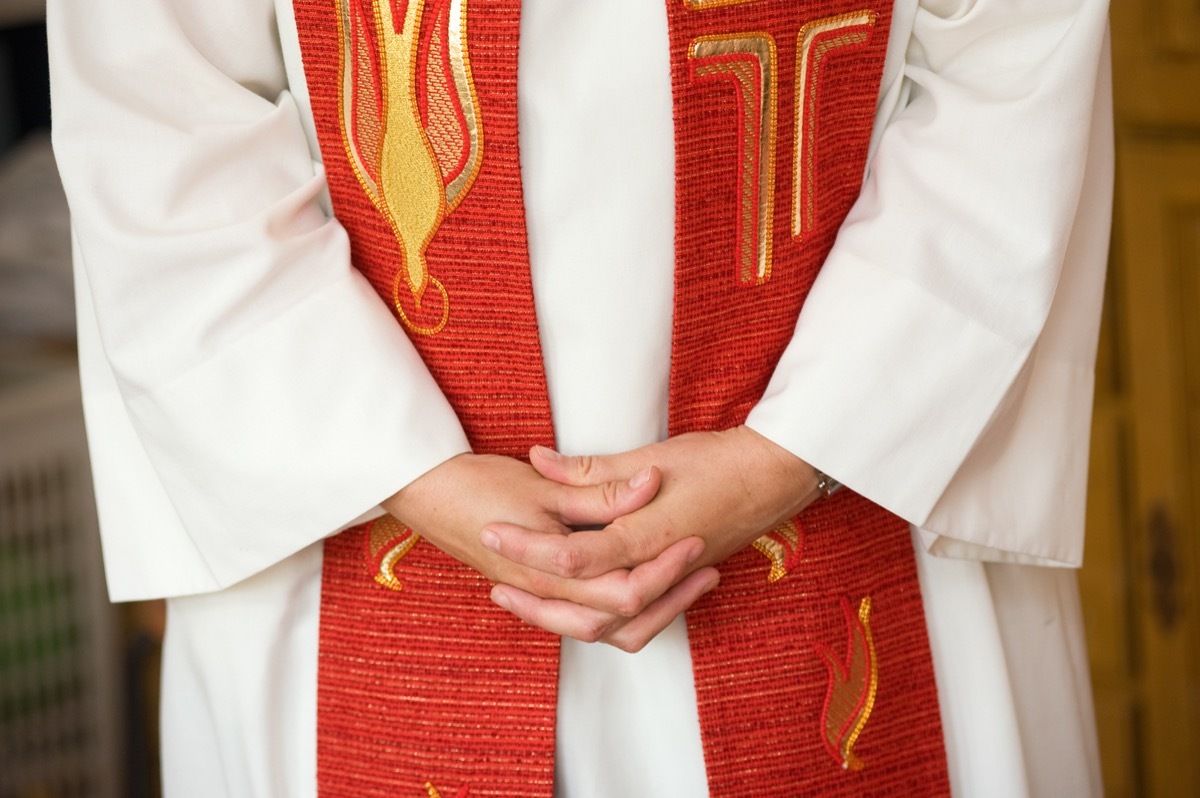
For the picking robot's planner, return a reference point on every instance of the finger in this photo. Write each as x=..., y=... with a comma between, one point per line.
x=579, y=555
x=607, y=501
x=629, y=593
x=620, y=592
x=591, y=625
x=584, y=469
x=557, y=616
x=634, y=635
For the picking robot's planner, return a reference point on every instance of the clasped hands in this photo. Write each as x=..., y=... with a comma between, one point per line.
x=607, y=548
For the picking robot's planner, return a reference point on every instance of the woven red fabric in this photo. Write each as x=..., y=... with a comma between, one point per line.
x=760, y=683
x=434, y=684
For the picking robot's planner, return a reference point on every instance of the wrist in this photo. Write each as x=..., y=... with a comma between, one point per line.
x=409, y=500
x=798, y=483
x=827, y=484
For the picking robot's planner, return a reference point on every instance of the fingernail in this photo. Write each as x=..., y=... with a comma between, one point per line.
x=490, y=540
x=544, y=451
x=500, y=599
x=640, y=478
x=715, y=581
x=697, y=550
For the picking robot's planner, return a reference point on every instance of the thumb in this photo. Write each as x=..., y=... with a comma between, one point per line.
x=600, y=504
x=583, y=469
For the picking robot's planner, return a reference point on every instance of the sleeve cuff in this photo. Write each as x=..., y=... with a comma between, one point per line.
x=241, y=475
x=824, y=407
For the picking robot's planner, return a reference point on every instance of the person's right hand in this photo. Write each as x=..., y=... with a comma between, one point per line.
x=451, y=504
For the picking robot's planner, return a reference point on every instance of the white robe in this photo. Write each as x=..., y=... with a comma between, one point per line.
x=232, y=360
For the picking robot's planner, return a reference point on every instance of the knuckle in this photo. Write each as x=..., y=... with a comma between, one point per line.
x=595, y=631
x=610, y=495
x=584, y=466
x=629, y=645
x=568, y=561
x=629, y=605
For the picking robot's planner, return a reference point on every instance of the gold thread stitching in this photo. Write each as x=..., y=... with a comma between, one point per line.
x=433, y=792
x=382, y=534
x=409, y=175
x=700, y=5
x=408, y=187
x=779, y=546
x=853, y=682
x=464, y=81
x=409, y=323
x=441, y=122
x=755, y=269
x=346, y=34
x=864, y=617
x=803, y=197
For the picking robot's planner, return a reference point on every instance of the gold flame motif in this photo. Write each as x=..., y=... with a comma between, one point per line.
x=388, y=540
x=852, y=684
x=783, y=546
x=434, y=793
x=410, y=123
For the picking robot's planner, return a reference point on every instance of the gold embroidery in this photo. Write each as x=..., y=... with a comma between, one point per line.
x=414, y=173
x=445, y=134
x=812, y=46
x=411, y=186
x=434, y=793
x=464, y=86
x=748, y=61
x=852, y=686
x=388, y=540
x=782, y=547
x=700, y=5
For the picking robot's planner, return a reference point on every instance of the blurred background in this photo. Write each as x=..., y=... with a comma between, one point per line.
x=78, y=676
x=1139, y=580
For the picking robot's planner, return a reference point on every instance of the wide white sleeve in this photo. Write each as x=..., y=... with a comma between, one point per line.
x=943, y=364
x=246, y=391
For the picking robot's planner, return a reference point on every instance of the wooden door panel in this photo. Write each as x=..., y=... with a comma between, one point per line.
x=1158, y=211
x=1142, y=573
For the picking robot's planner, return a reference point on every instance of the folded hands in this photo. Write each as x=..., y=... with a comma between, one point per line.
x=608, y=548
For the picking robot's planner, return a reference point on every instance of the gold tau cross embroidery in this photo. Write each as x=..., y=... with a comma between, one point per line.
x=410, y=122
x=749, y=63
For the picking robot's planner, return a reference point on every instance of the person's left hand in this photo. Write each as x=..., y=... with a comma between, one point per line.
x=725, y=487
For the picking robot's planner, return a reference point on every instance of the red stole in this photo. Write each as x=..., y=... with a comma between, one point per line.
x=817, y=683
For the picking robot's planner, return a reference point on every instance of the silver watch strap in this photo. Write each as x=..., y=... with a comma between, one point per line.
x=827, y=484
